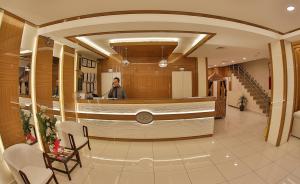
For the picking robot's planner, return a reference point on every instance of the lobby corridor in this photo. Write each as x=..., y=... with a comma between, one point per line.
x=236, y=154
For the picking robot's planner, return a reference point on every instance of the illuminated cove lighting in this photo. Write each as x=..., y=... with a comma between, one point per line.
x=94, y=45
x=199, y=39
x=149, y=39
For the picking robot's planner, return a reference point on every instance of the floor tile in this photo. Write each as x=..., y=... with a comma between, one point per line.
x=171, y=177
x=290, y=179
x=136, y=178
x=256, y=161
x=272, y=173
x=250, y=178
x=207, y=175
x=233, y=169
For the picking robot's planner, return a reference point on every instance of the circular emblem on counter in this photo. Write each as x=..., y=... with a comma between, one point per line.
x=144, y=117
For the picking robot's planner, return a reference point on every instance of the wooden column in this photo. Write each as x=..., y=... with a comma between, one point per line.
x=44, y=59
x=69, y=97
x=10, y=40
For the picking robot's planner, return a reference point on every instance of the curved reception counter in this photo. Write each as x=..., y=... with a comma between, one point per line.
x=148, y=119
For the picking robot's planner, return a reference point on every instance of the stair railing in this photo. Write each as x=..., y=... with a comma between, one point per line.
x=253, y=84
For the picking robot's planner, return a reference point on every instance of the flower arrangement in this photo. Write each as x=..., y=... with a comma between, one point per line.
x=47, y=129
x=25, y=117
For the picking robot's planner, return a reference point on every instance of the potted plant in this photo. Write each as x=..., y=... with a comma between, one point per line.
x=242, y=102
x=25, y=116
x=47, y=130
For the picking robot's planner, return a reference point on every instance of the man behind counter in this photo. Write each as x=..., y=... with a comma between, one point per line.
x=117, y=91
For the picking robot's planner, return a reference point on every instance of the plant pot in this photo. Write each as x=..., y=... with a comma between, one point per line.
x=242, y=108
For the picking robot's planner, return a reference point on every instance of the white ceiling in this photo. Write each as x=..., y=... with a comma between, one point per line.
x=269, y=13
x=239, y=41
x=185, y=39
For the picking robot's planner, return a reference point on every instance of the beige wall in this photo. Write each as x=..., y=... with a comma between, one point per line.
x=259, y=70
x=239, y=90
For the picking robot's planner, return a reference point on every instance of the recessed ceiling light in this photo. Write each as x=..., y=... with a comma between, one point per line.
x=290, y=8
x=244, y=58
x=215, y=65
x=223, y=63
x=232, y=61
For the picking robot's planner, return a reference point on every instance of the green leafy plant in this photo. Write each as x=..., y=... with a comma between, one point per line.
x=46, y=126
x=242, y=102
x=25, y=117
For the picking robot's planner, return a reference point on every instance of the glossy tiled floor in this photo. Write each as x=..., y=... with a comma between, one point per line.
x=236, y=154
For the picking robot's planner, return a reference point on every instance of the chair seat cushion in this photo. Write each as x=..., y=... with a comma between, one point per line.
x=37, y=175
x=80, y=141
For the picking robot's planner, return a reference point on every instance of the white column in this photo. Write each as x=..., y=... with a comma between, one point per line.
x=290, y=91
x=283, y=92
x=202, y=76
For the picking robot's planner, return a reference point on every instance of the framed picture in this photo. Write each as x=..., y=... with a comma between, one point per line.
x=84, y=62
x=89, y=63
x=93, y=64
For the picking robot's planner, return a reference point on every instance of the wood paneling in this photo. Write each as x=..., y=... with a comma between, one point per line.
x=155, y=117
x=68, y=83
x=284, y=96
x=146, y=53
x=43, y=74
x=296, y=48
x=148, y=101
x=271, y=104
x=99, y=79
x=148, y=80
x=150, y=140
x=10, y=40
x=221, y=71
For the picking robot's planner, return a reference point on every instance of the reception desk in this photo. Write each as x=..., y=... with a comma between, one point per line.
x=157, y=119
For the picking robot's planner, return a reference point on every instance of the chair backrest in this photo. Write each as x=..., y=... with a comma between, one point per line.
x=19, y=156
x=68, y=127
x=71, y=127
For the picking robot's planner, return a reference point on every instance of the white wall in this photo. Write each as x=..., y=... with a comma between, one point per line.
x=238, y=90
x=259, y=70
x=202, y=77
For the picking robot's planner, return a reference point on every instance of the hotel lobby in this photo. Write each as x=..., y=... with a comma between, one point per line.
x=154, y=92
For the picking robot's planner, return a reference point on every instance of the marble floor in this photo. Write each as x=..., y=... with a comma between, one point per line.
x=236, y=154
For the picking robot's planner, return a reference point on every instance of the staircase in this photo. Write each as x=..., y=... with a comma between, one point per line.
x=259, y=95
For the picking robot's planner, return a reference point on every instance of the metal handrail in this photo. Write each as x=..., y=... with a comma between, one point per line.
x=253, y=84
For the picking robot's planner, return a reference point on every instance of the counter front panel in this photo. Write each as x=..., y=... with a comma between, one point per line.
x=178, y=118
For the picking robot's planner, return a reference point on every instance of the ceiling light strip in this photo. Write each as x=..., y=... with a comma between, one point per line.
x=145, y=39
x=93, y=45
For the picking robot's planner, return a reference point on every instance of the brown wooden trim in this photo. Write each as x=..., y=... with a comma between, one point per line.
x=272, y=88
x=139, y=31
x=149, y=140
x=18, y=18
x=283, y=112
x=291, y=31
x=295, y=104
x=199, y=44
x=155, y=117
x=206, y=81
x=167, y=12
x=153, y=101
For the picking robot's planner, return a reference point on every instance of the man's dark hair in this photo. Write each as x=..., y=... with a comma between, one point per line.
x=117, y=78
